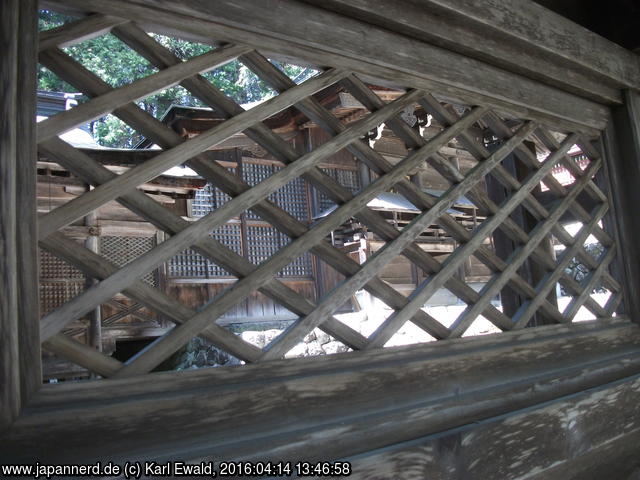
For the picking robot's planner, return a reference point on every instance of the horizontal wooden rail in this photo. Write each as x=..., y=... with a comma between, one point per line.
x=405, y=392
x=298, y=29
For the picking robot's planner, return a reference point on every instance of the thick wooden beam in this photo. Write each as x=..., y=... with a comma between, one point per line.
x=20, y=374
x=9, y=147
x=299, y=30
x=447, y=28
x=487, y=30
x=622, y=149
x=28, y=298
x=441, y=386
x=506, y=446
x=523, y=21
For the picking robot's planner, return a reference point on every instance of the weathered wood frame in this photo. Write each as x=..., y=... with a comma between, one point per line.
x=557, y=364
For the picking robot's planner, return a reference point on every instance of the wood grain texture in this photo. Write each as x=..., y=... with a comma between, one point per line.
x=27, y=253
x=533, y=24
x=434, y=24
x=77, y=31
x=622, y=150
x=9, y=147
x=438, y=388
x=295, y=29
x=587, y=436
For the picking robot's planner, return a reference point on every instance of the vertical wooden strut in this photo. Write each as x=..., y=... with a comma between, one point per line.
x=28, y=298
x=95, y=316
x=9, y=362
x=622, y=147
x=20, y=373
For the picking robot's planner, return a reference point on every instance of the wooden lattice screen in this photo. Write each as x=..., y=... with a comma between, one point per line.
x=526, y=122
x=256, y=192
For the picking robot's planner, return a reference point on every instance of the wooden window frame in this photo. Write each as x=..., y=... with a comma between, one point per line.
x=551, y=369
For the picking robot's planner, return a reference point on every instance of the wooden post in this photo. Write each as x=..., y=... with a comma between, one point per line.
x=19, y=377
x=28, y=298
x=504, y=246
x=9, y=363
x=622, y=149
x=95, y=316
x=243, y=216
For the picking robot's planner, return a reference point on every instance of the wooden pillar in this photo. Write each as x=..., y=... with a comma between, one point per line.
x=244, y=235
x=20, y=372
x=95, y=316
x=364, y=172
x=535, y=273
x=26, y=176
x=416, y=276
x=622, y=150
x=503, y=245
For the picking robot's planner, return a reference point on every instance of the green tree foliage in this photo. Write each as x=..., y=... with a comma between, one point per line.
x=117, y=64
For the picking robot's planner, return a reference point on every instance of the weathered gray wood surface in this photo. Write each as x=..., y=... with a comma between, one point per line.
x=587, y=436
x=292, y=28
x=520, y=36
x=80, y=31
x=26, y=229
x=9, y=145
x=438, y=388
x=530, y=23
x=622, y=148
x=396, y=395
x=19, y=341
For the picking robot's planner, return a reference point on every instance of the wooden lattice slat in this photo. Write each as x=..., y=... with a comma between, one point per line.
x=272, y=193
